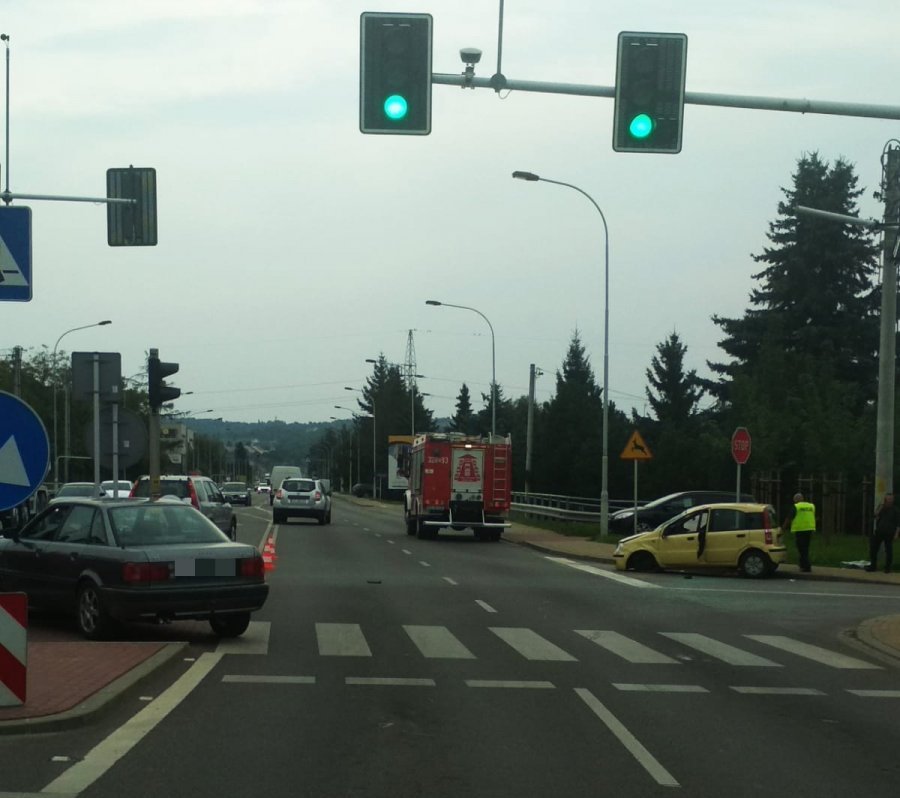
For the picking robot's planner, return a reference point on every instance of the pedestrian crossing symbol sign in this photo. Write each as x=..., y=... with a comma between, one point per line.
x=636, y=448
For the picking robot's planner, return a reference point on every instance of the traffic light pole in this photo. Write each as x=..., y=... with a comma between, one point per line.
x=800, y=106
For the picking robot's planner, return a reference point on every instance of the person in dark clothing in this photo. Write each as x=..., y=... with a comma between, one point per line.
x=887, y=526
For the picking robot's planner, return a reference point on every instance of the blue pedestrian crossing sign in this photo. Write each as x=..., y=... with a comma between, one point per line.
x=24, y=451
x=15, y=254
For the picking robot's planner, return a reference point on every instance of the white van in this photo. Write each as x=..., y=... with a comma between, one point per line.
x=278, y=475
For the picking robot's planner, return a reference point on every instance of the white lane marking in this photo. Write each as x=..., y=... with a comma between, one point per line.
x=392, y=542
x=721, y=651
x=388, y=681
x=660, y=688
x=485, y=606
x=449, y=581
x=625, y=647
x=657, y=772
x=105, y=754
x=254, y=641
x=591, y=569
x=437, y=642
x=424, y=564
x=531, y=645
x=508, y=684
x=239, y=678
x=265, y=536
x=777, y=691
x=876, y=693
x=341, y=640
x=377, y=534
x=822, y=655
x=406, y=551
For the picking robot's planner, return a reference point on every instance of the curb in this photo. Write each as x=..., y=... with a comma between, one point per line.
x=550, y=550
x=865, y=636
x=98, y=702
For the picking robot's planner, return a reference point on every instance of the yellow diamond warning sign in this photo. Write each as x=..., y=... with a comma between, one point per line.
x=636, y=449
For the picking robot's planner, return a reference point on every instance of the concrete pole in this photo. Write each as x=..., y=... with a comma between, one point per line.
x=529, y=430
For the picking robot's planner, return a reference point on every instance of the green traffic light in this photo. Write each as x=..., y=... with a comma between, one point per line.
x=641, y=126
x=395, y=107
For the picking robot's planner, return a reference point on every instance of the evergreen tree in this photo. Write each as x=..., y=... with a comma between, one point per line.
x=675, y=394
x=463, y=420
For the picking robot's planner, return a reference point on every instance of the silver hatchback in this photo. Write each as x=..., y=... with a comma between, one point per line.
x=299, y=497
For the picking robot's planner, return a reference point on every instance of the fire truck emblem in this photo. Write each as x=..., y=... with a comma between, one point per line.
x=467, y=469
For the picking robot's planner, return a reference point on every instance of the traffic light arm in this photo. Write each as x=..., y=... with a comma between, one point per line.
x=800, y=106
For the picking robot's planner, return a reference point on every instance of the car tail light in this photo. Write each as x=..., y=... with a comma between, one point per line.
x=318, y=496
x=195, y=502
x=253, y=568
x=767, y=527
x=145, y=573
x=279, y=493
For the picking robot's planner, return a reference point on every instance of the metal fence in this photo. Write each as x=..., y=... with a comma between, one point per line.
x=563, y=508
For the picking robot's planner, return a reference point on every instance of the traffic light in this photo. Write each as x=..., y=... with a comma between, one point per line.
x=157, y=390
x=395, y=73
x=650, y=70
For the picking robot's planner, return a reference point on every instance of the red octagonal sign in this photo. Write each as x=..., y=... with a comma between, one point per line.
x=740, y=445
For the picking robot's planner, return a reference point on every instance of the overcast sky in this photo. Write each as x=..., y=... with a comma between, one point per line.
x=292, y=247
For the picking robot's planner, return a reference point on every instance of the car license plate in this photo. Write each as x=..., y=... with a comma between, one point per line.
x=300, y=499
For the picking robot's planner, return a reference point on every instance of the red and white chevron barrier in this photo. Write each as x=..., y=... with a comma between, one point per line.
x=13, y=648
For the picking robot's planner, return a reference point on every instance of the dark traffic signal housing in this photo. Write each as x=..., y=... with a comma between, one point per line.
x=395, y=73
x=158, y=392
x=649, y=108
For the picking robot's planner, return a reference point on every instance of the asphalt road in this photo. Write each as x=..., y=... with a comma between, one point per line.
x=387, y=666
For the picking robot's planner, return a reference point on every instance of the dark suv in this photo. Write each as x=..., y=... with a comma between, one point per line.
x=201, y=492
x=657, y=512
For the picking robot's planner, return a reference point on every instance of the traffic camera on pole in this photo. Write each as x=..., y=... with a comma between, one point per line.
x=159, y=393
x=395, y=73
x=649, y=106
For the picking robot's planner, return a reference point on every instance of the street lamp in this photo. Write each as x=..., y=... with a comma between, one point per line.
x=604, y=478
x=358, y=447
x=493, y=358
x=372, y=416
x=55, y=387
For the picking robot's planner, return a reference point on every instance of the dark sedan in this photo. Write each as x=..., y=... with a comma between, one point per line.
x=112, y=560
x=237, y=493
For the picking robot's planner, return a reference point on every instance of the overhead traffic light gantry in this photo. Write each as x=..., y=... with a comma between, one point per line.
x=649, y=107
x=395, y=73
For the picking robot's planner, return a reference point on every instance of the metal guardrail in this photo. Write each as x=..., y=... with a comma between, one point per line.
x=563, y=508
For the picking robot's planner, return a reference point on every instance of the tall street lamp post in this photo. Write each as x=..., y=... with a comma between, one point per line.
x=604, y=469
x=372, y=416
x=55, y=391
x=493, y=358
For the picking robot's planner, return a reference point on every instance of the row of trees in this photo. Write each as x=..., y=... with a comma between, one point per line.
x=800, y=371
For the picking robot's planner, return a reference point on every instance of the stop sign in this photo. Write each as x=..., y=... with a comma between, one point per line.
x=740, y=445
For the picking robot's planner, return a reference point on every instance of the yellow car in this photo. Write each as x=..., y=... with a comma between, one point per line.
x=723, y=536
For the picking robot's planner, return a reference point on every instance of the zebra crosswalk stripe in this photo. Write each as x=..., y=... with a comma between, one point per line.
x=721, y=651
x=342, y=640
x=832, y=659
x=437, y=642
x=626, y=648
x=531, y=645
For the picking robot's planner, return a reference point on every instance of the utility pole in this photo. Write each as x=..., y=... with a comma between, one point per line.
x=533, y=373
x=884, y=435
x=410, y=368
x=17, y=370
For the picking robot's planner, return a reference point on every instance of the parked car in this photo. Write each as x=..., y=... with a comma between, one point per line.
x=125, y=560
x=278, y=475
x=200, y=492
x=652, y=514
x=362, y=490
x=237, y=493
x=742, y=536
x=116, y=489
x=301, y=498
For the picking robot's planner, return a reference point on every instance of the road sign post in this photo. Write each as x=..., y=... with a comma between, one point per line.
x=740, y=451
x=636, y=450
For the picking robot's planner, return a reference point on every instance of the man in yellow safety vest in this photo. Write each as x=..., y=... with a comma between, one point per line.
x=802, y=523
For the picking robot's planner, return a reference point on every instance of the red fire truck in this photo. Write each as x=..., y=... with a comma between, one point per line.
x=458, y=481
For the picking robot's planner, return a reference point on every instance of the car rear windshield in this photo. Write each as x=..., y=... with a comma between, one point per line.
x=167, y=487
x=76, y=490
x=298, y=485
x=162, y=525
x=232, y=486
